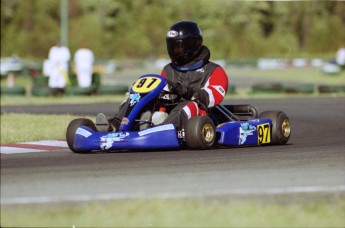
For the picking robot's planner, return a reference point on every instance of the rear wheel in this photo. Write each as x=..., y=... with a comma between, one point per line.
x=281, y=128
x=200, y=133
x=72, y=128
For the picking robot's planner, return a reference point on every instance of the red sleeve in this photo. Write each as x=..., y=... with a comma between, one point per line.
x=217, y=86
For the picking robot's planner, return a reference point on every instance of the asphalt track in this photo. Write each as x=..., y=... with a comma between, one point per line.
x=313, y=161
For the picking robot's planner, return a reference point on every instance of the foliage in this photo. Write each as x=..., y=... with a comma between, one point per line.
x=136, y=29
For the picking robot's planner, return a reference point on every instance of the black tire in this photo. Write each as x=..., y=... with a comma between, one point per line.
x=200, y=133
x=72, y=128
x=281, y=128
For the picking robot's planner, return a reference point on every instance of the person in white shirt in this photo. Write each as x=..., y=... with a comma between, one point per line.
x=83, y=60
x=58, y=61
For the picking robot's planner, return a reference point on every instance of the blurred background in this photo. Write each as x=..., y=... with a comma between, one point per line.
x=136, y=29
x=131, y=33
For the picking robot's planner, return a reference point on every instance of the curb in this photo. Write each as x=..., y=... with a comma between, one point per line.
x=33, y=147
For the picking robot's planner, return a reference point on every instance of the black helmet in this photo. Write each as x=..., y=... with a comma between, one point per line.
x=184, y=42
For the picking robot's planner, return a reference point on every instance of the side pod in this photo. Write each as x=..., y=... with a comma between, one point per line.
x=251, y=132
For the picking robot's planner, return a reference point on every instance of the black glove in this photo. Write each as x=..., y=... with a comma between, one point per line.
x=181, y=90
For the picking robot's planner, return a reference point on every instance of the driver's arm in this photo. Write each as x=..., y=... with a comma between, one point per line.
x=214, y=90
x=210, y=95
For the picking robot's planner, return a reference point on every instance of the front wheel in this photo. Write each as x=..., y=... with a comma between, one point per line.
x=72, y=129
x=281, y=128
x=200, y=133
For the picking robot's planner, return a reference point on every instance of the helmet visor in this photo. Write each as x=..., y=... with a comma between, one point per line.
x=176, y=47
x=181, y=50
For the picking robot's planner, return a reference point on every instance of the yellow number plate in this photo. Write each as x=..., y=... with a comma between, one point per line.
x=264, y=133
x=146, y=84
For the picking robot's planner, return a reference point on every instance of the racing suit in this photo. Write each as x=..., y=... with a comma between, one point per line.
x=204, y=84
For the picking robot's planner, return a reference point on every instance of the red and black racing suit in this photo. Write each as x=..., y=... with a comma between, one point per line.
x=208, y=82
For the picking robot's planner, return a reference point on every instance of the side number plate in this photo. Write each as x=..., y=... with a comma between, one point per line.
x=264, y=133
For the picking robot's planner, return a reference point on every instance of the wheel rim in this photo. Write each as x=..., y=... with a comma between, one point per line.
x=208, y=132
x=286, y=128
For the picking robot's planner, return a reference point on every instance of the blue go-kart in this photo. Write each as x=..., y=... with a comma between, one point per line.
x=224, y=125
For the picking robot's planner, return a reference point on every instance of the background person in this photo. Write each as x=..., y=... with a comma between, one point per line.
x=84, y=59
x=58, y=62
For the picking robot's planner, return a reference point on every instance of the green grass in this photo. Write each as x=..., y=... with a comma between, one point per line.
x=301, y=75
x=26, y=127
x=207, y=212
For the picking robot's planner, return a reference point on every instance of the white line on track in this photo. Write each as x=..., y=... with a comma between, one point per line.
x=48, y=143
x=33, y=147
x=122, y=196
x=15, y=150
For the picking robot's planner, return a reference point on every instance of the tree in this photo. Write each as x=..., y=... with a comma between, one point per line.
x=136, y=29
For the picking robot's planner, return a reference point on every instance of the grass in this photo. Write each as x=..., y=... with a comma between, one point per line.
x=326, y=211
x=301, y=75
x=26, y=127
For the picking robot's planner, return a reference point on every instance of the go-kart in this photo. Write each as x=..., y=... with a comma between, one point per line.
x=223, y=125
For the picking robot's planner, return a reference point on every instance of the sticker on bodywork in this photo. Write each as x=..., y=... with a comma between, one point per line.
x=264, y=133
x=156, y=129
x=134, y=98
x=83, y=132
x=245, y=130
x=108, y=140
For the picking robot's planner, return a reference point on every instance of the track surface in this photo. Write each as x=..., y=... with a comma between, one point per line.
x=314, y=160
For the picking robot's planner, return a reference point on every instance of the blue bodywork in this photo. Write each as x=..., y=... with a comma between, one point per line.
x=147, y=88
x=240, y=133
x=163, y=136
x=139, y=100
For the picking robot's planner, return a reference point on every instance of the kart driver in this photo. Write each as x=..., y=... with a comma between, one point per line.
x=196, y=81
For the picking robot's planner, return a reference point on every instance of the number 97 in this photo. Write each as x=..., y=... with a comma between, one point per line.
x=264, y=134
